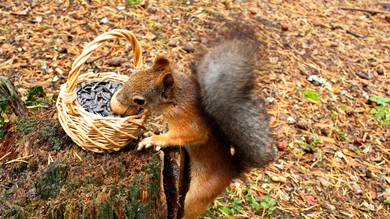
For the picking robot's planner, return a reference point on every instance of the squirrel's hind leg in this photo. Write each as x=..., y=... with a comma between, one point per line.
x=205, y=186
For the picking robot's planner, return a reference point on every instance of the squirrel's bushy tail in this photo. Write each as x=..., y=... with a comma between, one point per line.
x=226, y=77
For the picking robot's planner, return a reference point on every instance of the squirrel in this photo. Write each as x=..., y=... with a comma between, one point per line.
x=210, y=111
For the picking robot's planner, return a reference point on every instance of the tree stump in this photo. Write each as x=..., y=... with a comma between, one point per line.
x=45, y=175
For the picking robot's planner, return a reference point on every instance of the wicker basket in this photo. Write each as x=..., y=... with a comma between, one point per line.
x=89, y=131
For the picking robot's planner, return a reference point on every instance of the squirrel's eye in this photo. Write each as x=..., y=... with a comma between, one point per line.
x=139, y=100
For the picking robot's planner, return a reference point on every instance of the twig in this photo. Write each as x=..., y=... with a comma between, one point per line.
x=99, y=57
x=347, y=31
x=361, y=75
x=353, y=34
x=364, y=10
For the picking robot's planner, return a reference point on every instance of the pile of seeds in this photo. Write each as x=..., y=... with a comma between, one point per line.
x=95, y=96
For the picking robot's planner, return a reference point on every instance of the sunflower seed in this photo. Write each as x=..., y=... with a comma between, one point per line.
x=95, y=97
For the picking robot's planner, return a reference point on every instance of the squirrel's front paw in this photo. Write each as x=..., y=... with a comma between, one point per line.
x=147, y=143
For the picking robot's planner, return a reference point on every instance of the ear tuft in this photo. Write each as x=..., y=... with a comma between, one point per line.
x=160, y=63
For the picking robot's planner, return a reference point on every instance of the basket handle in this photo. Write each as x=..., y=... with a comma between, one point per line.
x=96, y=43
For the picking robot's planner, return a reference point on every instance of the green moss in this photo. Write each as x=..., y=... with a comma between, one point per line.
x=73, y=184
x=134, y=2
x=49, y=133
x=90, y=196
x=311, y=95
x=133, y=206
x=34, y=92
x=105, y=211
x=56, y=212
x=34, y=95
x=121, y=173
x=343, y=107
x=19, y=215
x=25, y=126
x=153, y=170
x=11, y=210
x=48, y=184
x=381, y=115
x=72, y=209
x=91, y=180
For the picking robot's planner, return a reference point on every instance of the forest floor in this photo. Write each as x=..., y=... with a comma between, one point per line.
x=325, y=73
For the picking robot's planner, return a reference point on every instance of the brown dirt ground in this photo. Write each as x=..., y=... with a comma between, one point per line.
x=343, y=175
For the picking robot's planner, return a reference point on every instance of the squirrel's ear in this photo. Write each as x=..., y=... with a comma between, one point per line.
x=160, y=63
x=166, y=82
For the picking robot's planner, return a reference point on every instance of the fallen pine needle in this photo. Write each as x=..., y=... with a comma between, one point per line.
x=16, y=160
x=74, y=152
x=19, y=159
x=5, y=155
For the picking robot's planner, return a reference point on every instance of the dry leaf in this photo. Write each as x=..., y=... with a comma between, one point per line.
x=311, y=200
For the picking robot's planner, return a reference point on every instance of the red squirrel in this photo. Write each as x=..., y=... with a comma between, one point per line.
x=209, y=112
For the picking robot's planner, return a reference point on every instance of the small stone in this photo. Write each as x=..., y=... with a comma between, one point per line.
x=329, y=207
x=349, y=111
x=356, y=188
x=203, y=40
x=63, y=50
x=173, y=42
x=44, y=67
x=77, y=16
x=320, y=165
x=283, y=117
x=253, y=11
x=284, y=26
x=121, y=8
x=302, y=125
x=360, y=18
x=116, y=62
x=369, y=174
x=55, y=78
x=104, y=20
x=340, y=155
x=314, y=79
x=199, y=11
x=291, y=120
x=380, y=71
x=188, y=48
x=270, y=99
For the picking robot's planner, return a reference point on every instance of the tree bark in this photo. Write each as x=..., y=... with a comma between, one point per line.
x=8, y=91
